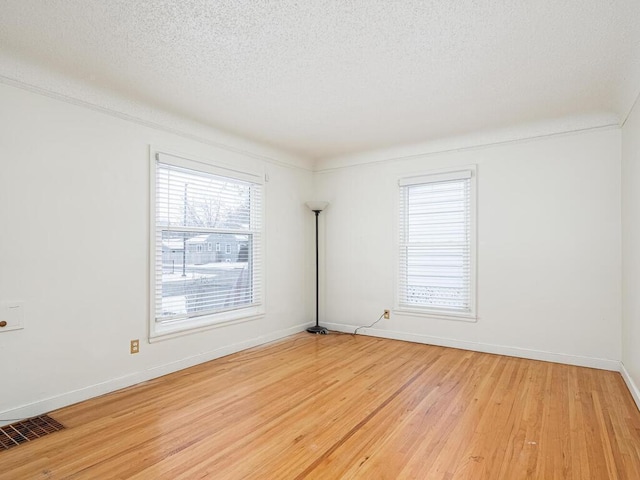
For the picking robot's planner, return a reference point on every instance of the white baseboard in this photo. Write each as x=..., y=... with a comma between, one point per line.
x=91, y=391
x=581, y=361
x=631, y=385
x=69, y=398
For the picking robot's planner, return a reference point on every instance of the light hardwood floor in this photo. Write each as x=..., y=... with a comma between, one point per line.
x=338, y=407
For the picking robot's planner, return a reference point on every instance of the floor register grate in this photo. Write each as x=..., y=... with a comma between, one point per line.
x=27, y=431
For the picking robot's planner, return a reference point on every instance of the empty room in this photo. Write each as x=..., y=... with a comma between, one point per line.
x=327, y=239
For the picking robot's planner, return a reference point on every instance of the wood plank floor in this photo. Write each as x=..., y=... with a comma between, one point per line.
x=342, y=406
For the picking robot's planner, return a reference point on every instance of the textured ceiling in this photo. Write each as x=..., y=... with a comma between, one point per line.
x=328, y=77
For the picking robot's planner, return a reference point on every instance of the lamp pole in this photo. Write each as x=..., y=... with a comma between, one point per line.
x=316, y=208
x=317, y=212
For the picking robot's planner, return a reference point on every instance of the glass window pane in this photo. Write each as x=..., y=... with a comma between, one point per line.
x=195, y=279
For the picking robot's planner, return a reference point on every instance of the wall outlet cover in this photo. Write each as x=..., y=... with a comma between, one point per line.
x=13, y=314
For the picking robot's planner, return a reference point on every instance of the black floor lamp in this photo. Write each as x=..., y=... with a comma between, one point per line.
x=317, y=207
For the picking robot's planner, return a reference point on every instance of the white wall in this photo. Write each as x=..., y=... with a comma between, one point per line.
x=631, y=252
x=549, y=254
x=74, y=203
x=74, y=181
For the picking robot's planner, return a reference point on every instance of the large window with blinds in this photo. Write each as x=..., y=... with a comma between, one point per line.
x=195, y=206
x=436, y=273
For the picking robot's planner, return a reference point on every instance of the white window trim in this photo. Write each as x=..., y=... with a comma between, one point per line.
x=159, y=331
x=442, y=175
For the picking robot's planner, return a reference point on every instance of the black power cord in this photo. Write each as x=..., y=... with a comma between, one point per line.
x=355, y=332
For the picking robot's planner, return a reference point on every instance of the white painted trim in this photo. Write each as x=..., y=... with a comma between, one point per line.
x=428, y=176
x=159, y=330
x=168, y=123
x=69, y=398
x=218, y=167
x=79, y=395
x=473, y=142
x=467, y=317
x=581, y=361
x=631, y=385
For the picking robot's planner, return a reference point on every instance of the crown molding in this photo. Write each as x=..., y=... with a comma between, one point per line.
x=19, y=73
x=472, y=141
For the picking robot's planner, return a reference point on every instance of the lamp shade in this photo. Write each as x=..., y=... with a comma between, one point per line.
x=317, y=206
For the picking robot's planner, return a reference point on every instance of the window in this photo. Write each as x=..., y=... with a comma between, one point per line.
x=209, y=247
x=436, y=273
x=190, y=202
x=227, y=248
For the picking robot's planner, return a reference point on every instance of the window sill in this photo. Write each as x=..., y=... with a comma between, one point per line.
x=458, y=317
x=165, y=331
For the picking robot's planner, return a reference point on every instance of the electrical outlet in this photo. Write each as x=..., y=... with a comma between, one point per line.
x=387, y=313
x=135, y=346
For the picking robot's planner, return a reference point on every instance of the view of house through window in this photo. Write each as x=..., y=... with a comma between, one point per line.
x=195, y=210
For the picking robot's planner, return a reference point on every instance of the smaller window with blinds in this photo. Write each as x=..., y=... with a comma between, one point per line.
x=436, y=271
x=194, y=205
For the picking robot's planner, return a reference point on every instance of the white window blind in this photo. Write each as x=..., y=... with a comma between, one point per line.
x=197, y=205
x=435, y=271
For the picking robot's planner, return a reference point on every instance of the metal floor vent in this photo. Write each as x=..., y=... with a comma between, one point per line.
x=27, y=430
